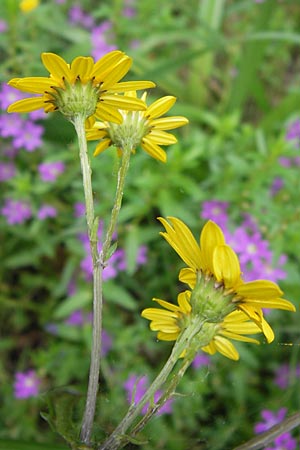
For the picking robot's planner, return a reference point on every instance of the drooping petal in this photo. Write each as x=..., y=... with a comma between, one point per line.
x=166, y=305
x=103, y=145
x=188, y=276
x=226, y=348
x=181, y=239
x=154, y=150
x=108, y=113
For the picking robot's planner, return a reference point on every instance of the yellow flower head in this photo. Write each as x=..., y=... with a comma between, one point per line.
x=28, y=5
x=84, y=87
x=146, y=128
x=173, y=319
x=214, y=262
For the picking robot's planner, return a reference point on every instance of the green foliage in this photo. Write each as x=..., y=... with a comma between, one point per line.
x=234, y=67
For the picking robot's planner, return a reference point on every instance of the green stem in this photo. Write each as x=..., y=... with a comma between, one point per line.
x=92, y=225
x=118, y=202
x=99, y=262
x=117, y=439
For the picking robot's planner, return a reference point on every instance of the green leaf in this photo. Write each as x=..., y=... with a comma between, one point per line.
x=76, y=301
x=21, y=445
x=118, y=295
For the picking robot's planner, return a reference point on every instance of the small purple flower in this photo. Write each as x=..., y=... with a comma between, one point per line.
x=16, y=211
x=284, y=375
x=283, y=442
x=200, y=360
x=276, y=186
x=106, y=343
x=215, y=210
x=9, y=95
x=26, y=384
x=269, y=419
x=79, y=209
x=3, y=26
x=39, y=114
x=285, y=162
x=129, y=9
x=101, y=36
x=138, y=386
x=78, y=17
x=46, y=211
x=29, y=137
x=10, y=125
x=50, y=171
x=293, y=131
x=7, y=171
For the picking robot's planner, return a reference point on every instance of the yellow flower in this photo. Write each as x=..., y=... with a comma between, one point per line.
x=214, y=260
x=146, y=128
x=84, y=86
x=172, y=320
x=28, y=5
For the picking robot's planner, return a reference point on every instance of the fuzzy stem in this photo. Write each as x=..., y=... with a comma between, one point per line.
x=92, y=225
x=117, y=439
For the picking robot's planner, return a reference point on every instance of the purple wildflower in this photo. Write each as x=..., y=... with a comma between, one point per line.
x=284, y=375
x=78, y=17
x=141, y=258
x=215, y=210
x=269, y=419
x=283, y=442
x=285, y=162
x=46, y=211
x=7, y=171
x=200, y=360
x=79, y=209
x=26, y=384
x=276, y=186
x=138, y=386
x=293, y=131
x=106, y=343
x=129, y=8
x=3, y=26
x=9, y=95
x=101, y=37
x=16, y=211
x=29, y=137
x=10, y=125
x=50, y=171
x=38, y=114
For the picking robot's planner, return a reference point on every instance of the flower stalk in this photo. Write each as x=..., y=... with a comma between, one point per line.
x=118, y=439
x=99, y=263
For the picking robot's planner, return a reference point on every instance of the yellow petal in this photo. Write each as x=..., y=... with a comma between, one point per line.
x=278, y=303
x=27, y=105
x=108, y=113
x=126, y=86
x=166, y=305
x=211, y=236
x=160, y=106
x=188, y=276
x=36, y=85
x=181, y=239
x=169, y=123
x=123, y=102
x=106, y=64
x=161, y=138
x=57, y=67
x=167, y=336
x=226, y=266
x=226, y=348
x=103, y=145
x=82, y=67
x=118, y=72
x=156, y=314
x=259, y=289
x=94, y=134
x=154, y=150
x=256, y=315
x=184, y=302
